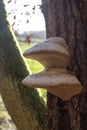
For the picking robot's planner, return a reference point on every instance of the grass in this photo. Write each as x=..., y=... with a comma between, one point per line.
x=34, y=65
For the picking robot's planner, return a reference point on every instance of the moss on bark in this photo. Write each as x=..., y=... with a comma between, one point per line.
x=13, y=65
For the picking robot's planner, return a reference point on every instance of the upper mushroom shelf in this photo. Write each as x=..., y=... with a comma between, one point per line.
x=53, y=54
x=50, y=54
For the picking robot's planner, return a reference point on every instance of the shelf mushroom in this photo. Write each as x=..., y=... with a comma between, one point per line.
x=55, y=78
x=49, y=54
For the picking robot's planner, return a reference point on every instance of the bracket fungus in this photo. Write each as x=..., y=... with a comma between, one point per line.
x=55, y=78
x=49, y=54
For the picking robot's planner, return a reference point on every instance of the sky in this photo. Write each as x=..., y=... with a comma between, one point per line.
x=35, y=19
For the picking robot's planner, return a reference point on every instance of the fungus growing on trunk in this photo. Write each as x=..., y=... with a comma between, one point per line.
x=49, y=54
x=55, y=78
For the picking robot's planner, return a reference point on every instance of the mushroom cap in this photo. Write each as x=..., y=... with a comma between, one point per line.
x=57, y=40
x=57, y=82
x=49, y=54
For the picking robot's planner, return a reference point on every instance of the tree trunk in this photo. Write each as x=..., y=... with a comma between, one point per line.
x=25, y=106
x=68, y=19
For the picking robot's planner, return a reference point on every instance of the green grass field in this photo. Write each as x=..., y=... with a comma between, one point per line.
x=34, y=65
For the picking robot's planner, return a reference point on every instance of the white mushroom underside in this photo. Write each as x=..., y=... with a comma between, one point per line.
x=44, y=79
x=46, y=48
x=50, y=59
x=61, y=85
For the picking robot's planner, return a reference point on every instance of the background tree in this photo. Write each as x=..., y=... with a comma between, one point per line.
x=25, y=106
x=68, y=19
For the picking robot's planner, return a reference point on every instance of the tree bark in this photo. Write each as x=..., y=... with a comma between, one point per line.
x=24, y=105
x=68, y=19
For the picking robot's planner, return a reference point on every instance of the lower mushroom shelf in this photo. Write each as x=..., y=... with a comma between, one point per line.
x=56, y=81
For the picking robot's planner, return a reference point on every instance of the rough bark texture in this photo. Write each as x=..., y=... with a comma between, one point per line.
x=25, y=106
x=68, y=19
